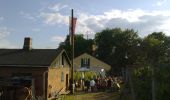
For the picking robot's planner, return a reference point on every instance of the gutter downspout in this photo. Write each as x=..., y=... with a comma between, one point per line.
x=44, y=85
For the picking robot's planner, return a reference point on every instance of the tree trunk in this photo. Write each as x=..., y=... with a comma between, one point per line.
x=153, y=84
x=131, y=83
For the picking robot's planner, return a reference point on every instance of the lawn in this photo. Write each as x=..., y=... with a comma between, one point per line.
x=93, y=96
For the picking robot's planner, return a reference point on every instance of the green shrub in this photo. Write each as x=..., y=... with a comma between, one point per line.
x=87, y=75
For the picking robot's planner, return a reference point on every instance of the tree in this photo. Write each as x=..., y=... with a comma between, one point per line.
x=105, y=43
x=66, y=45
x=82, y=45
x=114, y=44
x=154, y=48
x=126, y=43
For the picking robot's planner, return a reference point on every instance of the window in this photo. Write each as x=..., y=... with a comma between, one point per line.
x=88, y=62
x=62, y=76
x=23, y=79
x=85, y=62
x=62, y=59
x=82, y=62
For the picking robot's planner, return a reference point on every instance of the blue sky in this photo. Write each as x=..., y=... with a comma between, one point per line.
x=46, y=21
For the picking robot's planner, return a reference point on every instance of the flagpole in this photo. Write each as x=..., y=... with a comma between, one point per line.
x=72, y=61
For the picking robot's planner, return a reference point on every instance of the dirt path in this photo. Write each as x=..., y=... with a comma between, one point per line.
x=94, y=96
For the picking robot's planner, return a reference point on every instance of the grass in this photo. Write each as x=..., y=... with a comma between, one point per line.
x=93, y=96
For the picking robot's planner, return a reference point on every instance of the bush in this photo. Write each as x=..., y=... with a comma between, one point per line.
x=142, y=83
x=87, y=75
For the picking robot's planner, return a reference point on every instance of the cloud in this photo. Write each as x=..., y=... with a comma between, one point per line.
x=4, y=43
x=57, y=7
x=58, y=39
x=54, y=18
x=27, y=15
x=1, y=18
x=160, y=2
x=4, y=32
x=36, y=30
x=143, y=21
x=7, y=44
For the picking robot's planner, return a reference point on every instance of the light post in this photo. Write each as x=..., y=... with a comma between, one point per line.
x=126, y=72
x=113, y=49
x=102, y=73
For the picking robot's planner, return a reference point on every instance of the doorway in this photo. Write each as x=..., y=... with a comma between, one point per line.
x=67, y=82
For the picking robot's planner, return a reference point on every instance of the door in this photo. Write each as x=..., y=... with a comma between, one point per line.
x=67, y=82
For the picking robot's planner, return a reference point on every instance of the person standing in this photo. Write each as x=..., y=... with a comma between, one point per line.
x=87, y=84
x=92, y=85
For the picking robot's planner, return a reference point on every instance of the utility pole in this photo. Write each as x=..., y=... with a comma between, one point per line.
x=72, y=56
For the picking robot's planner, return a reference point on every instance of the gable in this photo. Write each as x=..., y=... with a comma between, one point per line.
x=61, y=60
x=94, y=62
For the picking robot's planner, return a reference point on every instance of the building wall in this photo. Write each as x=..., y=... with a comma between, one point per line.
x=44, y=79
x=37, y=76
x=93, y=62
x=52, y=77
x=55, y=82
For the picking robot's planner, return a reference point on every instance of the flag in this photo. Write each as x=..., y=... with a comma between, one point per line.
x=72, y=27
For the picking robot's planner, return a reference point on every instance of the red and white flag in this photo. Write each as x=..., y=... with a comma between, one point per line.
x=72, y=26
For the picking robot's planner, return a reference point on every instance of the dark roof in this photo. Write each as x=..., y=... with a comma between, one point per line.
x=34, y=57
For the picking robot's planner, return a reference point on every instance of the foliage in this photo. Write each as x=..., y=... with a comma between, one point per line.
x=154, y=48
x=90, y=75
x=120, y=48
x=77, y=76
x=142, y=83
x=81, y=45
x=163, y=82
x=114, y=44
x=87, y=75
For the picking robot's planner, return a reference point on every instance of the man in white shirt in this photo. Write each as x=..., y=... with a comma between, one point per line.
x=92, y=85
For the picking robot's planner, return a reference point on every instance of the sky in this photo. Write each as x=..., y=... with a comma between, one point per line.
x=47, y=21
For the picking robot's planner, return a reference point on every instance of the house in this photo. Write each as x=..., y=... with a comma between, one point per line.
x=45, y=71
x=88, y=62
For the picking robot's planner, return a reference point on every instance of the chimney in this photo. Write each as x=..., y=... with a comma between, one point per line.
x=27, y=44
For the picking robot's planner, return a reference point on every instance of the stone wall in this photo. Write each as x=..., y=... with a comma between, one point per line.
x=55, y=81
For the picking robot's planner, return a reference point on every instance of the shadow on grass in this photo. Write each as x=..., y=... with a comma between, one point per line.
x=94, y=96
x=107, y=96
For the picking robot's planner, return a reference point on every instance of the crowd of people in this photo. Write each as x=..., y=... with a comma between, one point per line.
x=103, y=84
